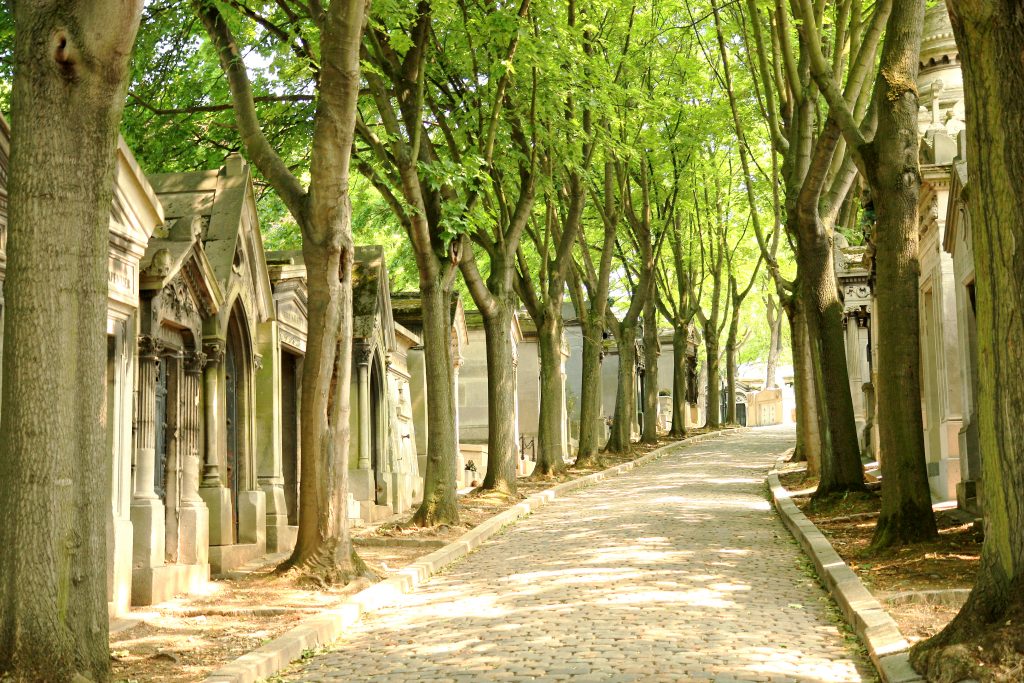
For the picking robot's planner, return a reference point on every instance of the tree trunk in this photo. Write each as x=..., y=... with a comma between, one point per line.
x=652, y=349
x=440, y=504
x=591, y=417
x=620, y=440
x=323, y=548
x=730, y=366
x=774, y=343
x=680, y=344
x=808, y=433
x=70, y=70
x=841, y=469
x=713, y=407
x=551, y=426
x=989, y=625
x=501, y=397
x=891, y=163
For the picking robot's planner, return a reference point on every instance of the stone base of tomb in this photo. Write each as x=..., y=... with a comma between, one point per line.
x=281, y=537
x=120, y=568
x=225, y=558
x=151, y=585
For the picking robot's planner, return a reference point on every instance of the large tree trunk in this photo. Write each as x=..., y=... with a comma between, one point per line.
x=551, y=426
x=620, y=440
x=713, y=407
x=808, y=433
x=652, y=349
x=989, y=625
x=891, y=163
x=841, y=469
x=70, y=70
x=440, y=504
x=591, y=419
x=323, y=549
x=501, y=397
x=730, y=366
x=680, y=343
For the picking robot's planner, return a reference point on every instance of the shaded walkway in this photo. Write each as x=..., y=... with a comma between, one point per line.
x=677, y=571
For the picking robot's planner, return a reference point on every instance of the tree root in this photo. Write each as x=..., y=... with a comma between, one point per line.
x=974, y=646
x=588, y=462
x=324, y=569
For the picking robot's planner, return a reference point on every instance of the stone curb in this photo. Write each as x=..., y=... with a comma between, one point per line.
x=878, y=631
x=328, y=625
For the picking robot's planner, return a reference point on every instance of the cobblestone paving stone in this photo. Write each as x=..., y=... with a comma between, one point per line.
x=677, y=571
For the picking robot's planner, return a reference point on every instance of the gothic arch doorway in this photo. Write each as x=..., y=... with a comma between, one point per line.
x=238, y=381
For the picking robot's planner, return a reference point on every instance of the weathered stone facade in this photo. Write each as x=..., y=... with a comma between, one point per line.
x=941, y=122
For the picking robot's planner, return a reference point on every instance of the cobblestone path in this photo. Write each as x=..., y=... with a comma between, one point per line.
x=677, y=571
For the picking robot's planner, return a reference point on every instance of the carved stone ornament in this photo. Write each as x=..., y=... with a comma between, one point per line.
x=179, y=299
x=150, y=347
x=160, y=266
x=362, y=354
x=194, y=362
x=257, y=360
x=214, y=351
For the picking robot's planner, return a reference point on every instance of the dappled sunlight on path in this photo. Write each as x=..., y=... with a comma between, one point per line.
x=677, y=571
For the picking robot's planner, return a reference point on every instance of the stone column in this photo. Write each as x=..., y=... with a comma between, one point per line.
x=194, y=517
x=214, y=352
x=362, y=481
x=147, y=510
x=212, y=490
x=145, y=418
x=269, y=408
x=364, y=412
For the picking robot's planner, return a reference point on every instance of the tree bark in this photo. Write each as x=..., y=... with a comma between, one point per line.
x=591, y=420
x=620, y=440
x=731, y=352
x=680, y=344
x=891, y=169
x=774, y=314
x=501, y=397
x=440, y=504
x=713, y=409
x=988, y=626
x=808, y=434
x=70, y=71
x=550, y=447
x=323, y=549
x=652, y=349
x=841, y=469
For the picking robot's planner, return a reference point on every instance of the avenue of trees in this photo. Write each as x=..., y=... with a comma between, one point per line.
x=680, y=165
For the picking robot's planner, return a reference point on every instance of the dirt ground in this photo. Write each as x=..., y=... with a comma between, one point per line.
x=949, y=562
x=188, y=638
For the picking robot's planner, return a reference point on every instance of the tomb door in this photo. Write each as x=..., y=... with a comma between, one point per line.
x=169, y=461
x=160, y=452
x=377, y=432
x=233, y=461
x=290, y=434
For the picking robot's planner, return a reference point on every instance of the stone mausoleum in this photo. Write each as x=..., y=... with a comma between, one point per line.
x=206, y=336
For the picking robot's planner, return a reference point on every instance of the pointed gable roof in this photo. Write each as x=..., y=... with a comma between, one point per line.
x=224, y=201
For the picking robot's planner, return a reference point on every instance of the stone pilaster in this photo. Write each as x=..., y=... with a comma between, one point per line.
x=269, y=469
x=194, y=517
x=212, y=490
x=147, y=510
